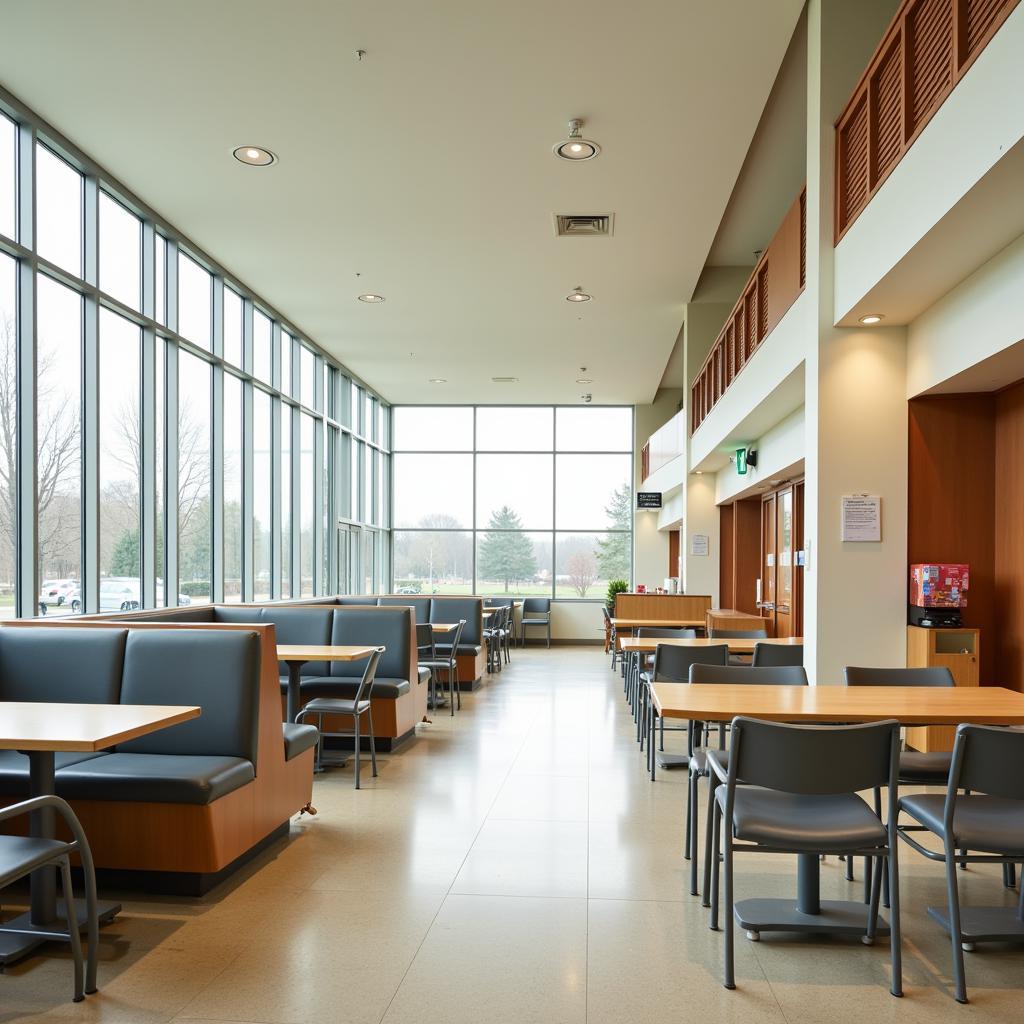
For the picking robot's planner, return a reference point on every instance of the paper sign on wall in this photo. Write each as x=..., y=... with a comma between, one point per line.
x=862, y=517
x=700, y=544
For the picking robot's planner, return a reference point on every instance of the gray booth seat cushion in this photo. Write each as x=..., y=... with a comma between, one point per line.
x=155, y=778
x=63, y=664
x=297, y=738
x=218, y=669
x=420, y=605
x=346, y=687
x=423, y=674
x=390, y=628
x=14, y=769
x=451, y=609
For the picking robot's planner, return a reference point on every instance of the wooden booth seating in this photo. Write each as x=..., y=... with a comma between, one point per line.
x=176, y=811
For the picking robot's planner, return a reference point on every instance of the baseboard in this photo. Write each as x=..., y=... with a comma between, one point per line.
x=560, y=642
x=384, y=744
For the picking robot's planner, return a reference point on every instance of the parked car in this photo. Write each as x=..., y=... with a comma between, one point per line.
x=417, y=589
x=56, y=592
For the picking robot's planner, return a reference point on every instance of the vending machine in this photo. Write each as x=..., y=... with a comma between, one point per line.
x=938, y=590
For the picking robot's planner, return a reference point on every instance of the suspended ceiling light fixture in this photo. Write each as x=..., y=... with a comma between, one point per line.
x=575, y=147
x=578, y=295
x=254, y=156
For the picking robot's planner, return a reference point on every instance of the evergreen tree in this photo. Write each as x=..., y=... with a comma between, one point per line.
x=613, y=554
x=507, y=557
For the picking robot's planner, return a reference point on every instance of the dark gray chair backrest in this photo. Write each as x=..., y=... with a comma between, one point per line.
x=302, y=626
x=989, y=760
x=452, y=609
x=536, y=606
x=61, y=664
x=673, y=633
x=673, y=664
x=420, y=605
x=938, y=676
x=391, y=628
x=217, y=669
x=777, y=654
x=767, y=675
x=814, y=759
x=424, y=641
x=739, y=634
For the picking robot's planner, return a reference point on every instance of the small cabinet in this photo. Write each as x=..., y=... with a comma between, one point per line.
x=955, y=649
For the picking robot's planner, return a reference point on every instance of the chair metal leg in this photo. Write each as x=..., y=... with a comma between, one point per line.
x=73, y=933
x=895, y=924
x=710, y=849
x=373, y=745
x=693, y=809
x=549, y=632
x=714, y=816
x=355, y=719
x=955, y=934
x=455, y=680
x=91, y=916
x=876, y=892
x=730, y=916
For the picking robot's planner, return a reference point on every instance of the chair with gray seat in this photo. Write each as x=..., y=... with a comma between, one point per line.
x=425, y=654
x=739, y=634
x=982, y=810
x=21, y=855
x=702, y=756
x=354, y=708
x=675, y=665
x=794, y=789
x=536, y=612
x=641, y=665
x=777, y=654
x=446, y=660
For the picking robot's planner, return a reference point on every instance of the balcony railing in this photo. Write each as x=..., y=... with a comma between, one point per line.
x=924, y=53
x=668, y=442
x=777, y=280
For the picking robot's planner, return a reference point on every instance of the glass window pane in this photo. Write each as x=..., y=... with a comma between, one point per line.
x=434, y=491
x=514, y=492
x=120, y=463
x=161, y=472
x=161, y=280
x=306, y=507
x=589, y=490
x=120, y=252
x=585, y=562
x=262, y=486
x=232, y=487
x=195, y=561
x=262, y=337
x=352, y=418
x=286, y=501
x=286, y=363
x=354, y=498
x=58, y=211
x=232, y=327
x=195, y=297
x=513, y=563
x=58, y=445
x=594, y=430
x=307, y=371
x=522, y=429
x=8, y=439
x=428, y=562
x=433, y=428
x=8, y=177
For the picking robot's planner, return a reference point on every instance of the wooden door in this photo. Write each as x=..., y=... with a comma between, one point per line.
x=769, y=545
x=784, y=562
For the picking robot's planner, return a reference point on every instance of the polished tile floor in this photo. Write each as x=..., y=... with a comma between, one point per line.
x=511, y=864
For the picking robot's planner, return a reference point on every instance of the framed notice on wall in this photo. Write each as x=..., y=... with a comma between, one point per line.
x=861, y=517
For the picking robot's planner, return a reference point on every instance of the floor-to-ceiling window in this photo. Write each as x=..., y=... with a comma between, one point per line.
x=165, y=436
x=520, y=500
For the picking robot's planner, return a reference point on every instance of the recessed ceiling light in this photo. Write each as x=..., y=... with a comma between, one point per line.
x=871, y=318
x=438, y=380
x=584, y=380
x=575, y=147
x=698, y=472
x=370, y=297
x=254, y=156
x=578, y=295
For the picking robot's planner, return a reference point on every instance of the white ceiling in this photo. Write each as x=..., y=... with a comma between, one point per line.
x=427, y=167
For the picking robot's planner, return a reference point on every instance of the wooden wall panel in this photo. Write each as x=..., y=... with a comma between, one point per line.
x=952, y=502
x=673, y=553
x=726, y=565
x=1008, y=636
x=747, y=555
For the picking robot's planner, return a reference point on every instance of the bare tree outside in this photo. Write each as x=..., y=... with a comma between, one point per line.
x=581, y=568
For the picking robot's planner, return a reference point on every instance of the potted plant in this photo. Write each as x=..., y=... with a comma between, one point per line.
x=615, y=587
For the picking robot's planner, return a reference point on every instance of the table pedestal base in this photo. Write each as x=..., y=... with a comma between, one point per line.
x=837, y=917
x=14, y=946
x=984, y=924
x=669, y=761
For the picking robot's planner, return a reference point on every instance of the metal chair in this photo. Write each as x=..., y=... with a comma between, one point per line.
x=777, y=654
x=613, y=644
x=354, y=708
x=701, y=757
x=536, y=612
x=989, y=762
x=739, y=634
x=425, y=654
x=635, y=683
x=450, y=666
x=497, y=636
x=21, y=855
x=794, y=789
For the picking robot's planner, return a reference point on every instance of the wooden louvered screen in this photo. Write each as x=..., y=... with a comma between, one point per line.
x=923, y=54
x=765, y=299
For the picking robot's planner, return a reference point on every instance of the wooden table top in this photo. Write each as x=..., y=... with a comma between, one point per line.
x=323, y=652
x=737, y=645
x=909, y=705
x=657, y=623
x=41, y=725
x=443, y=627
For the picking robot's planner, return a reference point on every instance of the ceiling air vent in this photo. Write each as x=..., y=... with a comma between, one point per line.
x=504, y=380
x=584, y=224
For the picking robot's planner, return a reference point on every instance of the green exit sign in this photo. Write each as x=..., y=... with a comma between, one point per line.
x=741, y=461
